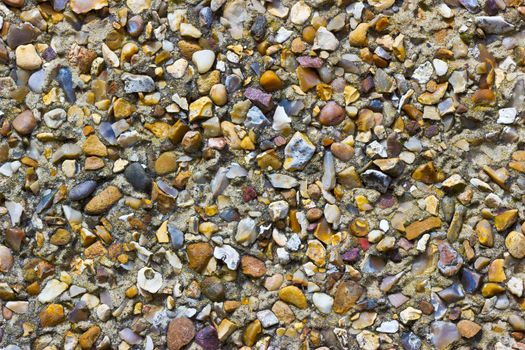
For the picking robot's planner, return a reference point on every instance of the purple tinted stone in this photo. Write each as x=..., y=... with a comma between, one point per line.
x=386, y=201
x=491, y=8
x=49, y=54
x=310, y=62
x=432, y=131
x=260, y=98
x=59, y=5
x=21, y=35
x=207, y=338
x=472, y=6
x=129, y=336
x=452, y=294
x=351, y=255
x=410, y=341
x=82, y=190
x=470, y=280
x=449, y=260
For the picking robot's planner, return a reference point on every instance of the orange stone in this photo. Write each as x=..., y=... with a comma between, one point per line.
x=416, y=229
x=270, y=81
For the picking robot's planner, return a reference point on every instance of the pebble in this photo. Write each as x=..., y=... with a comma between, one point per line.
x=6, y=259
x=252, y=267
x=270, y=81
x=137, y=83
x=515, y=243
x=181, y=332
x=25, y=123
x=82, y=190
x=208, y=338
x=293, y=295
x=298, y=152
x=300, y=12
x=325, y=40
x=331, y=114
x=27, y=57
x=103, y=201
x=199, y=254
x=204, y=60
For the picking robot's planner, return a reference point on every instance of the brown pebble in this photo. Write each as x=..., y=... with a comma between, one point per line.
x=331, y=114
x=252, y=267
x=24, y=123
x=199, y=254
x=180, y=333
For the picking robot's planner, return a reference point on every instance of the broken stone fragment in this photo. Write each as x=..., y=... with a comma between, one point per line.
x=298, y=152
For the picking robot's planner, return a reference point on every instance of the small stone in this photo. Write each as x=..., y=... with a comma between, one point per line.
x=27, y=57
x=515, y=286
x=507, y=115
x=449, y=260
x=347, y=294
x=323, y=302
x=187, y=29
x=219, y=95
x=166, y=163
x=418, y=228
x=213, y=288
x=267, y=318
x=270, y=81
x=199, y=254
x=325, y=40
x=293, y=295
x=252, y=332
x=94, y=147
x=103, y=201
x=137, y=83
x=300, y=12
x=25, y=123
x=137, y=177
x=51, y=315
x=410, y=314
x=505, y=220
x=298, y=152
x=6, y=259
x=331, y=114
x=252, y=267
x=484, y=231
x=515, y=243
x=208, y=338
x=84, y=6
x=180, y=333
x=82, y=190
x=493, y=24
x=468, y=329
x=203, y=59
x=368, y=340
x=358, y=36
x=88, y=338
x=201, y=109
x=443, y=334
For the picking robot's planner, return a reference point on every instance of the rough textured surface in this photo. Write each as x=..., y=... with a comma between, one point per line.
x=277, y=174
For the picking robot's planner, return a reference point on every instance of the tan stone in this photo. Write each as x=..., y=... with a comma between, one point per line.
x=94, y=147
x=27, y=57
x=103, y=201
